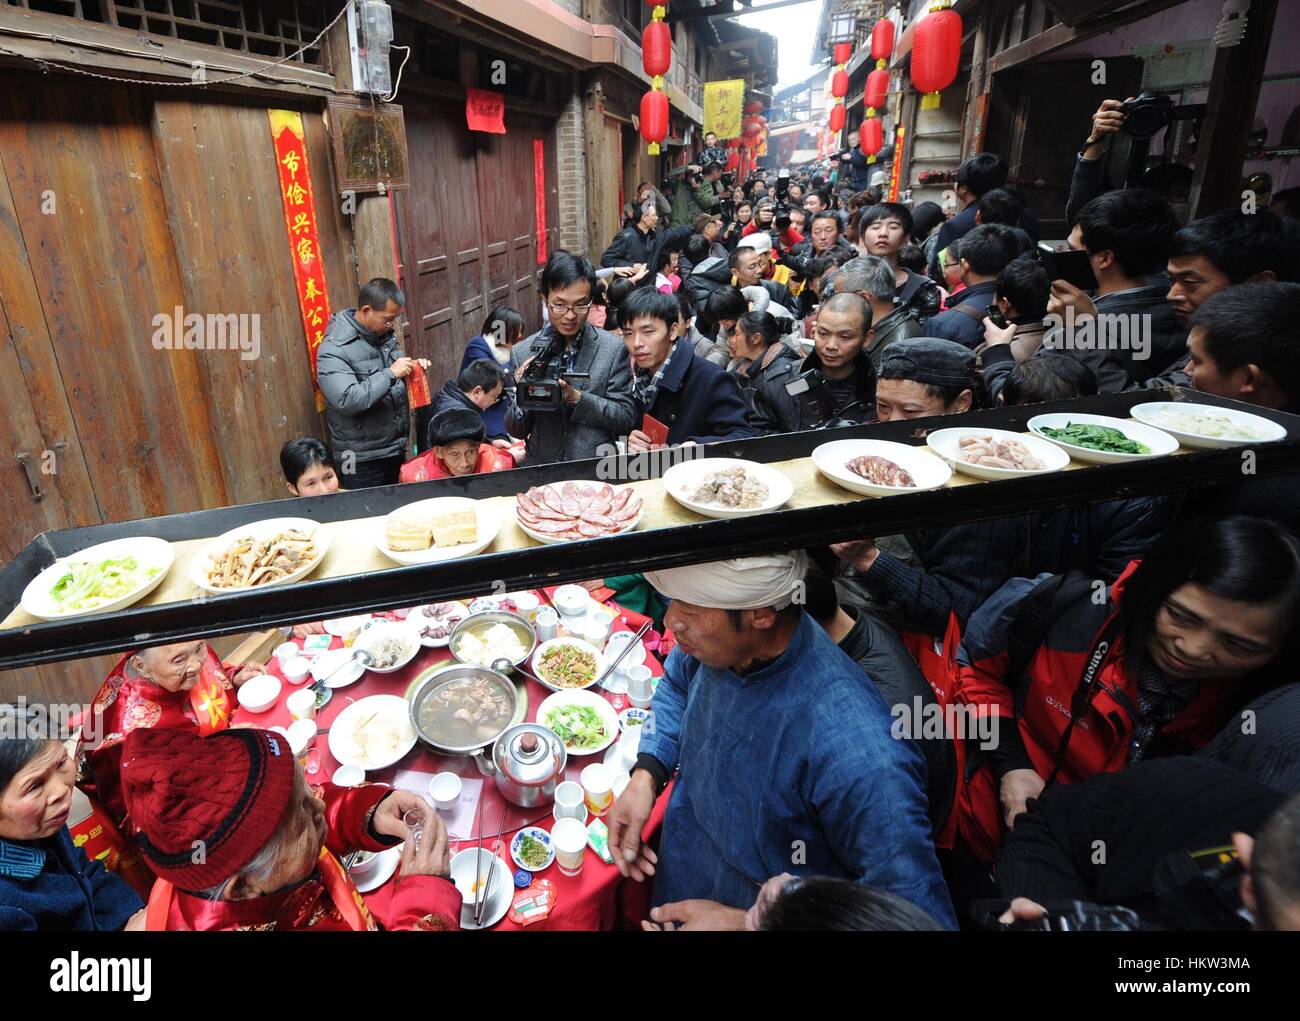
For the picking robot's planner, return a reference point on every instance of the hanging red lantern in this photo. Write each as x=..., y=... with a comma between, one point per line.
x=657, y=48
x=877, y=88
x=842, y=52
x=733, y=161
x=838, y=116
x=754, y=107
x=882, y=40
x=936, y=50
x=654, y=119
x=873, y=136
x=840, y=84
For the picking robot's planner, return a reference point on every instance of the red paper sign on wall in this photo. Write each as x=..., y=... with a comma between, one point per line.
x=485, y=111
x=300, y=222
x=539, y=184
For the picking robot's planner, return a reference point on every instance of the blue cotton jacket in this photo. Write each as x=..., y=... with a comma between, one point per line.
x=699, y=401
x=494, y=419
x=791, y=768
x=69, y=893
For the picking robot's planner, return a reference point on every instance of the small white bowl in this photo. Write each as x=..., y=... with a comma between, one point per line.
x=349, y=776
x=296, y=670
x=445, y=790
x=301, y=734
x=258, y=694
x=571, y=600
x=615, y=645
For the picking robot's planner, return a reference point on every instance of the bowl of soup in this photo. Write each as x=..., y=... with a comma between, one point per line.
x=463, y=708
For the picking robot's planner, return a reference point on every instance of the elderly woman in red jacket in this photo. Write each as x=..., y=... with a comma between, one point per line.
x=239, y=841
x=1152, y=667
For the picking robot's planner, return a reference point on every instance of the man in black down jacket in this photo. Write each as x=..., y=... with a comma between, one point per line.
x=361, y=370
x=847, y=390
x=632, y=245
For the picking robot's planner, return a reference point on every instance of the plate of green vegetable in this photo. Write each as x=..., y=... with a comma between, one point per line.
x=1100, y=439
x=584, y=721
x=531, y=849
x=99, y=579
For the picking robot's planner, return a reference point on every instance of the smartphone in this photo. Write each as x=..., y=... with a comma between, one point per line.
x=1065, y=263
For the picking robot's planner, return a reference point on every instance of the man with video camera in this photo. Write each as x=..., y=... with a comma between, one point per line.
x=573, y=382
x=698, y=191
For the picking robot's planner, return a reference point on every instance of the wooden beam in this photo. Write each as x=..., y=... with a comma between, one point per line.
x=1060, y=35
x=1229, y=119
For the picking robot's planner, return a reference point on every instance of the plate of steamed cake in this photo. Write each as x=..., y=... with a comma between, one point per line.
x=430, y=531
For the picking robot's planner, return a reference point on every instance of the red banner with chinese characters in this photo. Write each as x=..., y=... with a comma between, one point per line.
x=300, y=222
x=898, y=163
x=485, y=111
x=539, y=183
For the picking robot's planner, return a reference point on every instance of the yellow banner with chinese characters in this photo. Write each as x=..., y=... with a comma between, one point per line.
x=300, y=221
x=724, y=103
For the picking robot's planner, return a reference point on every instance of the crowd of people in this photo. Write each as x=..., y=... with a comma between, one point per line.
x=1116, y=671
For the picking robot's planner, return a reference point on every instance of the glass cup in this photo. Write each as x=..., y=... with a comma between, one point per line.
x=598, y=788
x=569, y=838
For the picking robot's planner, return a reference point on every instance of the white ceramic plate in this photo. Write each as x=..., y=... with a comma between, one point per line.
x=551, y=540
x=391, y=712
x=1165, y=415
x=928, y=470
x=554, y=642
x=684, y=478
x=327, y=662
x=487, y=531
x=516, y=844
x=420, y=619
x=259, y=530
x=1159, y=442
x=342, y=627
x=148, y=551
x=947, y=444
x=402, y=630
x=385, y=864
x=581, y=697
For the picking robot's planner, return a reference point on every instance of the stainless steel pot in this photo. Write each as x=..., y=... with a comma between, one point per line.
x=457, y=672
x=482, y=621
x=527, y=764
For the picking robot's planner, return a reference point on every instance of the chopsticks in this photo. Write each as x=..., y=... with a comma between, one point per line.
x=481, y=906
x=641, y=633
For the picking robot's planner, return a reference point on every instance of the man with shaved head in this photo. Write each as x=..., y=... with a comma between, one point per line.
x=836, y=383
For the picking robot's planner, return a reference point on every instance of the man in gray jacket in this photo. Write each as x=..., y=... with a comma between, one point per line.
x=592, y=366
x=362, y=370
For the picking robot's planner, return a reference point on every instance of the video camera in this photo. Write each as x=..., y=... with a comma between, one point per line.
x=539, y=388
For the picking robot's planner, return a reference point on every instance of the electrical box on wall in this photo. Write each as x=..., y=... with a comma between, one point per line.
x=370, y=33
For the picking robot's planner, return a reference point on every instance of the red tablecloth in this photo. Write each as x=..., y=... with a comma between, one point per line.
x=597, y=898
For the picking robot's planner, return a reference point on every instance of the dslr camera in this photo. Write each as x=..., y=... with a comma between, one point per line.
x=1147, y=114
x=539, y=388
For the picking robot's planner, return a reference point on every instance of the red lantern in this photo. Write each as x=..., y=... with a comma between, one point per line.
x=654, y=119
x=936, y=50
x=840, y=84
x=842, y=52
x=877, y=88
x=882, y=40
x=754, y=107
x=733, y=161
x=657, y=48
x=838, y=116
x=873, y=136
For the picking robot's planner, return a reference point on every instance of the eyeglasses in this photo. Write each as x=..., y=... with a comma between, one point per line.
x=564, y=310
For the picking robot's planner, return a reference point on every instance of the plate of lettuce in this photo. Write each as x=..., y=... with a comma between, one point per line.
x=99, y=579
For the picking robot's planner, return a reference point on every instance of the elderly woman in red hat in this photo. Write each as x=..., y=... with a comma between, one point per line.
x=239, y=841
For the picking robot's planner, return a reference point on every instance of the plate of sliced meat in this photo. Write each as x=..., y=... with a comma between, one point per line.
x=879, y=467
x=996, y=453
x=569, y=511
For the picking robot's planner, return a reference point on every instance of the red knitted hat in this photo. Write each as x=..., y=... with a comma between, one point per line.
x=205, y=806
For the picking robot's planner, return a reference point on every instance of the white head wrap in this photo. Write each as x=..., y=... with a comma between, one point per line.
x=749, y=583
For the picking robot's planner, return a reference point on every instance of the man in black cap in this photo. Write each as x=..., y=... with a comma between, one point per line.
x=456, y=448
x=922, y=578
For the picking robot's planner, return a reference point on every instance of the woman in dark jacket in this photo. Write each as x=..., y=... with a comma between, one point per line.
x=1189, y=633
x=759, y=355
x=502, y=330
x=46, y=882
x=694, y=399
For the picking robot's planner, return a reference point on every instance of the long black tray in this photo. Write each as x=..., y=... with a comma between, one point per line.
x=636, y=551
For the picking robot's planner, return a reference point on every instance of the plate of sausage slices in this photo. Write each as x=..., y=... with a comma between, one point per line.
x=568, y=511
